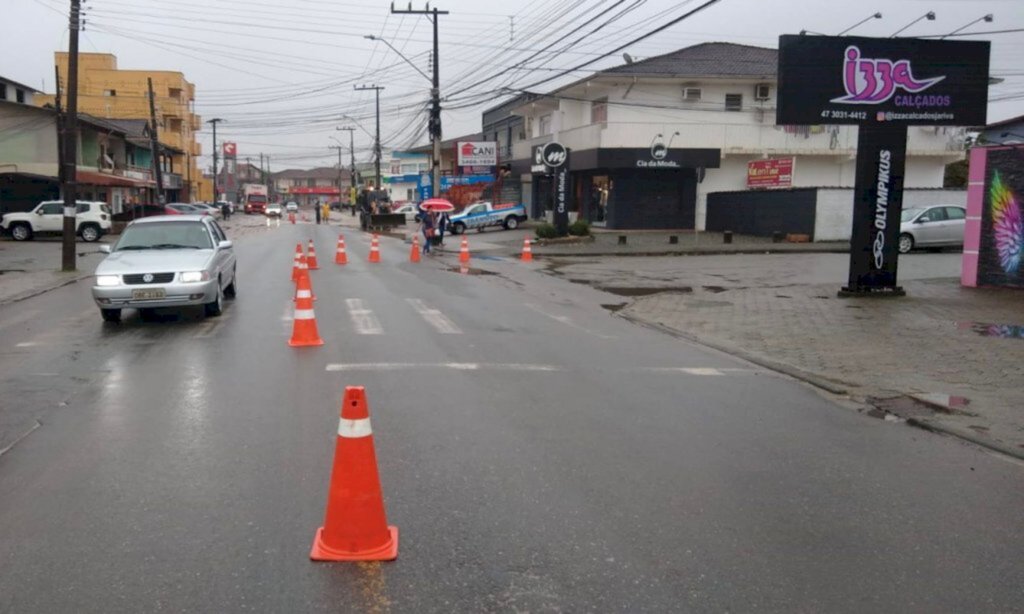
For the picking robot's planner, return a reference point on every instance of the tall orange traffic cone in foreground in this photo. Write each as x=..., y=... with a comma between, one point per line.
x=375, y=249
x=291, y=217
x=295, y=262
x=339, y=254
x=304, y=330
x=464, y=250
x=414, y=253
x=311, y=259
x=527, y=250
x=355, y=527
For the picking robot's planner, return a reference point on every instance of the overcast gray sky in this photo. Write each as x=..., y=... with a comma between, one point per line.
x=281, y=72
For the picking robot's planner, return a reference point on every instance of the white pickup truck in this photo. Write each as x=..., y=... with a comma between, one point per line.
x=482, y=215
x=92, y=220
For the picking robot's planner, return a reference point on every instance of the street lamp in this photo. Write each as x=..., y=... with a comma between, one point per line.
x=865, y=20
x=407, y=60
x=987, y=19
x=930, y=16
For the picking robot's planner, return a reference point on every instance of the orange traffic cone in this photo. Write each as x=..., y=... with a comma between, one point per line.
x=304, y=275
x=527, y=250
x=464, y=250
x=339, y=254
x=304, y=330
x=355, y=526
x=311, y=259
x=375, y=249
x=291, y=217
x=414, y=253
x=295, y=262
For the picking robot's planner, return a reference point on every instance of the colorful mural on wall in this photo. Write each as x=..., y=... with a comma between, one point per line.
x=994, y=239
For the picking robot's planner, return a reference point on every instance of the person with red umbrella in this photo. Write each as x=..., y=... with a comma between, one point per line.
x=441, y=207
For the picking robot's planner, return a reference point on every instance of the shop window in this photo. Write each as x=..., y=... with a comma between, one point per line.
x=599, y=111
x=734, y=102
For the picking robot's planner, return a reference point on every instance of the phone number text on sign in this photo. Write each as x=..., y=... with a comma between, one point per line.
x=841, y=114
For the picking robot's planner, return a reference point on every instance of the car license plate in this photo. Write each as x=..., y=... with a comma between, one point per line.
x=145, y=295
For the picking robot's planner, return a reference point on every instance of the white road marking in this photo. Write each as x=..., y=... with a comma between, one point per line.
x=434, y=317
x=568, y=322
x=527, y=367
x=362, y=318
x=454, y=366
x=26, y=344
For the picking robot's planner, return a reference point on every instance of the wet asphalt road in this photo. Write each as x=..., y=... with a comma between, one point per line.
x=536, y=453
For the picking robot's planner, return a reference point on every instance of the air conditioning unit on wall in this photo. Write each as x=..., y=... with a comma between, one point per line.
x=762, y=91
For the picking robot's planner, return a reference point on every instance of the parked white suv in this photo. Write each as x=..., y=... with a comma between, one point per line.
x=92, y=220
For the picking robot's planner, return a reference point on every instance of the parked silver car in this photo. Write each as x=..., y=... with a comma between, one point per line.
x=166, y=261
x=935, y=226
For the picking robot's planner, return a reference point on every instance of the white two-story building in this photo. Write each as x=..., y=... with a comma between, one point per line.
x=651, y=139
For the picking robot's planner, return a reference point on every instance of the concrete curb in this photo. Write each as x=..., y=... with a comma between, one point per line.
x=695, y=252
x=952, y=431
x=33, y=293
x=825, y=384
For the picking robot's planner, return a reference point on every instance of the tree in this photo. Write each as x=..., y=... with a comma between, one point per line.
x=956, y=174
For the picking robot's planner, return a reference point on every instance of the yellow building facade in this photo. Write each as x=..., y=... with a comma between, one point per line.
x=108, y=92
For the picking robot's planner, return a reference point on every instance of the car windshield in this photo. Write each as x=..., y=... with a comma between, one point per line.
x=165, y=235
x=909, y=214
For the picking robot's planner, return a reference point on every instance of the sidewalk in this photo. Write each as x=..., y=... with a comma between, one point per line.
x=945, y=357
x=638, y=243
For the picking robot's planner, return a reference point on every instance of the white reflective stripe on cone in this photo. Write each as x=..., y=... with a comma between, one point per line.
x=304, y=314
x=303, y=294
x=354, y=429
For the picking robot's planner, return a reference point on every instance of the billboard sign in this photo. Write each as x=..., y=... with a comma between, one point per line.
x=230, y=149
x=772, y=173
x=903, y=81
x=477, y=153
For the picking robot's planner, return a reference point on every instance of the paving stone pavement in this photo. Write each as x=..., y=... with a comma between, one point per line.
x=928, y=343
x=782, y=311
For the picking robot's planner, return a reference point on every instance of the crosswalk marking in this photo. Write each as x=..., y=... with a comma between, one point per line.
x=362, y=318
x=435, y=318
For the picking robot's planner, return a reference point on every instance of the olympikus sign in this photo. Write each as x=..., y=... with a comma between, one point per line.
x=855, y=80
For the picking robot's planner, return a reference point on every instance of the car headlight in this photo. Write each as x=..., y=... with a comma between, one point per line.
x=108, y=280
x=194, y=276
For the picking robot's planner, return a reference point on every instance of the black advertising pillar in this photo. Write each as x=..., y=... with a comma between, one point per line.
x=877, y=202
x=556, y=157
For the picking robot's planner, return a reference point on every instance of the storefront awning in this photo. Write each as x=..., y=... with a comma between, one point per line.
x=105, y=179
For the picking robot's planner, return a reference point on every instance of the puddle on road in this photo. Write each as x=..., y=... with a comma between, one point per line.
x=469, y=271
x=999, y=331
x=613, y=307
x=714, y=289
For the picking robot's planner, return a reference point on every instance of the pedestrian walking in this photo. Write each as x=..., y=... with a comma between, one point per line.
x=427, y=228
x=326, y=212
x=442, y=224
x=316, y=210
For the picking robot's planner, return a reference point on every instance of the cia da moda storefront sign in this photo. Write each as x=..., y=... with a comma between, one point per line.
x=883, y=86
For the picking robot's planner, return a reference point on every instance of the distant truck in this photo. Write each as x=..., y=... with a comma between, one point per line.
x=482, y=215
x=254, y=198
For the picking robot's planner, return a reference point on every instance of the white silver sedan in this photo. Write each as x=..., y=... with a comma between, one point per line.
x=934, y=226
x=166, y=261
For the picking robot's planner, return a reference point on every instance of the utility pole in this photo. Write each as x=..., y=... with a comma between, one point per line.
x=214, y=121
x=158, y=173
x=339, y=148
x=352, y=154
x=376, y=144
x=70, y=144
x=60, y=128
x=435, y=93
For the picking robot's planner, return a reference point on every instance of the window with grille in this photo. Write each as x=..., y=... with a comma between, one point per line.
x=734, y=102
